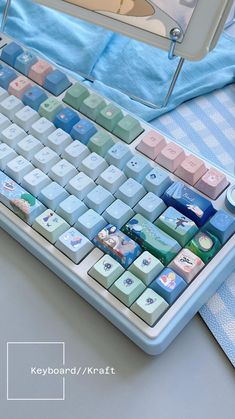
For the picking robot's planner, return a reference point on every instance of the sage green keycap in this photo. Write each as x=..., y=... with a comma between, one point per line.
x=178, y=226
x=128, y=129
x=149, y=306
x=146, y=267
x=109, y=117
x=100, y=143
x=127, y=288
x=92, y=106
x=106, y=271
x=50, y=108
x=50, y=225
x=75, y=95
x=151, y=238
x=205, y=245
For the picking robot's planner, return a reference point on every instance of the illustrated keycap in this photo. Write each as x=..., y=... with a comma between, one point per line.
x=100, y=143
x=177, y=225
x=106, y=271
x=127, y=288
x=24, y=62
x=157, y=181
x=205, y=245
x=10, y=53
x=151, y=238
x=150, y=206
x=17, y=199
x=52, y=195
x=146, y=267
x=171, y=156
x=71, y=209
x=66, y=119
x=39, y=71
x=189, y=203
x=50, y=108
x=56, y=82
x=212, y=183
x=109, y=117
x=118, y=213
x=168, y=285
x=83, y=131
x=92, y=106
x=34, y=97
x=90, y=223
x=118, y=245
x=191, y=169
x=128, y=129
x=119, y=155
x=149, y=306
x=152, y=144
x=19, y=86
x=7, y=75
x=50, y=225
x=75, y=95
x=187, y=265
x=221, y=225
x=74, y=245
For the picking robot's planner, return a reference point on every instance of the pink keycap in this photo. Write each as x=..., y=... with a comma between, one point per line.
x=171, y=156
x=212, y=183
x=19, y=86
x=39, y=71
x=187, y=265
x=191, y=169
x=152, y=144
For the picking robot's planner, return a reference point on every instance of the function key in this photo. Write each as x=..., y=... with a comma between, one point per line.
x=187, y=265
x=128, y=129
x=50, y=108
x=92, y=106
x=146, y=267
x=169, y=285
x=75, y=95
x=83, y=131
x=10, y=53
x=171, y=156
x=66, y=119
x=34, y=97
x=74, y=245
x=106, y=271
x=152, y=144
x=205, y=245
x=191, y=169
x=7, y=75
x=100, y=143
x=109, y=117
x=39, y=71
x=56, y=82
x=212, y=184
x=189, y=203
x=25, y=61
x=19, y=86
x=149, y=306
x=222, y=225
x=119, y=246
x=127, y=288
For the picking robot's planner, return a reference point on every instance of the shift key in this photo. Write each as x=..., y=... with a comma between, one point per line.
x=152, y=238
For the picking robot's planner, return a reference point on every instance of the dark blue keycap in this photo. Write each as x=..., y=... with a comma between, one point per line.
x=222, y=225
x=168, y=285
x=10, y=52
x=66, y=119
x=83, y=131
x=33, y=97
x=56, y=82
x=6, y=76
x=189, y=203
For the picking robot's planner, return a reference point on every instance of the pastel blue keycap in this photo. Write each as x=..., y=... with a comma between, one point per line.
x=119, y=155
x=71, y=208
x=168, y=285
x=137, y=168
x=189, y=203
x=7, y=75
x=10, y=52
x=83, y=131
x=222, y=225
x=66, y=119
x=52, y=195
x=157, y=181
x=150, y=206
x=56, y=82
x=118, y=213
x=34, y=97
x=90, y=223
x=99, y=199
x=25, y=61
x=130, y=192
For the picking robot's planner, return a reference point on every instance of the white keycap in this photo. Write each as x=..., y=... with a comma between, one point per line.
x=29, y=146
x=111, y=179
x=6, y=154
x=93, y=165
x=45, y=159
x=3, y=94
x=58, y=141
x=62, y=172
x=4, y=122
x=26, y=117
x=80, y=185
x=12, y=135
x=18, y=168
x=41, y=129
x=75, y=153
x=10, y=106
x=35, y=181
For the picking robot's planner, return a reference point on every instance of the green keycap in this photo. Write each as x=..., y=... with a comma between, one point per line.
x=149, y=306
x=75, y=95
x=100, y=143
x=178, y=226
x=146, y=267
x=109, y=117
x=128, y=129
x=127, y=288
x=106, y=271
x=205, y=245
x=151, y=238
x=92, y=106
x=50, y=108
x=50, y=225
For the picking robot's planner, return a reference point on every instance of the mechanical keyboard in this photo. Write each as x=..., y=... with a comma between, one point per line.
x=140, y=227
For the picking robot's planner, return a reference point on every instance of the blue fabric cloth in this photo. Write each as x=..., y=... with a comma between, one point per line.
x=117, y=61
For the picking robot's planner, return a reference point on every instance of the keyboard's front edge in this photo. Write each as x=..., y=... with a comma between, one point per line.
x=173, y=321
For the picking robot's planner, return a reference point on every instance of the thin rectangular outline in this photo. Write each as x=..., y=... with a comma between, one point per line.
x=36, y=399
